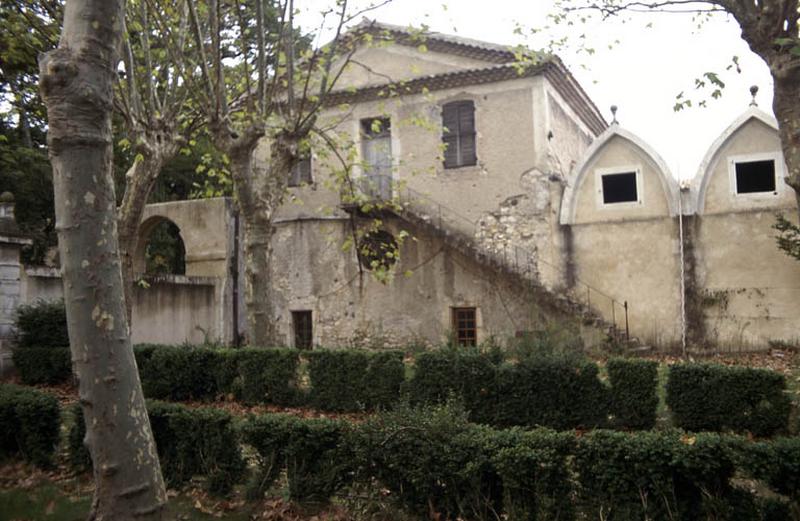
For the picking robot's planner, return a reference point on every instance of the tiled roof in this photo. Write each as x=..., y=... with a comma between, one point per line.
x=552, y=69
x=438, y=42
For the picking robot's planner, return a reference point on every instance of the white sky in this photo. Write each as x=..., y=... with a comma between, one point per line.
x=641, y=74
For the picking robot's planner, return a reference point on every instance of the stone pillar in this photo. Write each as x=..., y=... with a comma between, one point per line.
x=11, y=242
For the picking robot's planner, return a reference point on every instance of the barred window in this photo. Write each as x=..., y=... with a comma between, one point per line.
x=465, y=326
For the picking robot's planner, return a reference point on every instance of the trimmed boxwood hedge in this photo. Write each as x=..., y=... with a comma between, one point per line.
x=351, y=380
x=555, y=393
x=190, y=442
x=634, y=393
x=42, y=324
x=30, y=424
x=199, y=373
x=433, y=462
x=43, y=365
x=268, y=376
x=710, y=397
x=316, y=454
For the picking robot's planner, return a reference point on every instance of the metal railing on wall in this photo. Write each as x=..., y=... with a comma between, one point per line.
x=384, y=190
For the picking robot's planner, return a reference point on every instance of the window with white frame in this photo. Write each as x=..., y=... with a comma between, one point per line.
x=619, y=186
x=754, y=175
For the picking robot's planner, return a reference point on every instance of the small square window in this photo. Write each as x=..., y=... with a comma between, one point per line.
x=465, y=326
x=755, y=177
x=620, y=188
x=303, y=332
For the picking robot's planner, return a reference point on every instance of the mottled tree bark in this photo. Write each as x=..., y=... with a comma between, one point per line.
x=259, y=190
x=76, y=83
x=155, y=152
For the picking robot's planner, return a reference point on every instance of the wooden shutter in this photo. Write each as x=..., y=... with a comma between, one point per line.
x=301, y=172
x=466, y=133
x=458, y=120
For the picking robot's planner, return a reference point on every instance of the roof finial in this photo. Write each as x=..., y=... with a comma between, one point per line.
x=754, y=92
x=614, y=114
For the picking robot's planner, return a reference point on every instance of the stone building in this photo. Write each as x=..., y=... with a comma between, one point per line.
x=514, y=203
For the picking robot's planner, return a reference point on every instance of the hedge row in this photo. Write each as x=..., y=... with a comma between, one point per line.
x=557, y=393
x=30, y=422
x=718, y=398
x=436, y=464
x=560, y=394
x=348, y=380
x=195, y=373
x=433, y=462
x=190, y=442
x=43, y=365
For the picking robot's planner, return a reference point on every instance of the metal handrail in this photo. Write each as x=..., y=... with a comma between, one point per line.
x=384, y=189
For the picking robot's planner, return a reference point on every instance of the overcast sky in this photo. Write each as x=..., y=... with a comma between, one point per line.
x=657, y=57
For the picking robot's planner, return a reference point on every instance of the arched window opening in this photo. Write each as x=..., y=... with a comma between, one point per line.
x=164, y=252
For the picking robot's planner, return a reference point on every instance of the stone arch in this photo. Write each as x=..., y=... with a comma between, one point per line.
x=704, y=173
x=207, y=227
x=148, y=227
x=570, y=197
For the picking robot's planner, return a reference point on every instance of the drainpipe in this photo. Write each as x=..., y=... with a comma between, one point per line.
x=681, y=190
x=235, y=279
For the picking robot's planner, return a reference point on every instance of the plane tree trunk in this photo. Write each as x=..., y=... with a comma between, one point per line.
x=154, y=152
x=76, y=81
x=260, y=189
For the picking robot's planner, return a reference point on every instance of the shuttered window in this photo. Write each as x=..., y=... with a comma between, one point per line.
x=301, y=172
x=458, y=120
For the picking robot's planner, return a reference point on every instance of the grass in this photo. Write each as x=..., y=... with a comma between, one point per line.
x=51, y=502
x=44, y=502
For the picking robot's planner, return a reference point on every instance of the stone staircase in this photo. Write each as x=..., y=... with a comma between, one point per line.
x=459, y=232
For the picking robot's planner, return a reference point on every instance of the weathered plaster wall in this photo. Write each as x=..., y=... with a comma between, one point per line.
x=175, y=309
x=205, y=227
x=9, y=299
x=628, y=251
x=749, y=290
x=311, y=272
x=41, y=283
x=637, y=261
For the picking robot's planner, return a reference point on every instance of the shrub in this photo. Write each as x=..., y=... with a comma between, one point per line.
x=351, y=380
x=179, y=373
x=551, y=392
x=634, y=397
x=194, y=442
x=716, y=398
x=533, y=467
x=467, y=376
x=337, y=379
x=556, y=394
x=268, y=376
x=315, y=453
x=30, y=421
x=653, y=475
x=42, y=324
x=431, y=460
x=43, y=365
x=777, y=464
